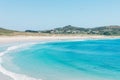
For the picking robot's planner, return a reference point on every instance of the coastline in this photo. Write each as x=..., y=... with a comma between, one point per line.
x=19, y=39
x=4, y=77
x=13, y=39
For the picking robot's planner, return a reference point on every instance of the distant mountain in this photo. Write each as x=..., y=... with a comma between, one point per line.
x=105, y=30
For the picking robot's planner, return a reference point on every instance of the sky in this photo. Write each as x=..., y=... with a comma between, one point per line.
x=48, y=14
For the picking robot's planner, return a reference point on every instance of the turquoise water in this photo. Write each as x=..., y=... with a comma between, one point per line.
x=72, y=60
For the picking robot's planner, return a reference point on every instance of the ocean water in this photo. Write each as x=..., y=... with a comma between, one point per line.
x=66, y=60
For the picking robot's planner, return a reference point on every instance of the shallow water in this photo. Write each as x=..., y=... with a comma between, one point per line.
x=72, y=60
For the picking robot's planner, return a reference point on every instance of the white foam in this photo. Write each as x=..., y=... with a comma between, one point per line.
x=11, y=74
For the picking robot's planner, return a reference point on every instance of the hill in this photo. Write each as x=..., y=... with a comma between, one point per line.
x=6, y=31
x=105, y=30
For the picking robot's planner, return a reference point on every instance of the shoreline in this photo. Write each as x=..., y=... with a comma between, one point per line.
x=13, y=39
x=8, y=75
x=5, y=77
x=19, y=39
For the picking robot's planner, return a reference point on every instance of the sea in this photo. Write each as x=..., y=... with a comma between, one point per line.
x=62, y=60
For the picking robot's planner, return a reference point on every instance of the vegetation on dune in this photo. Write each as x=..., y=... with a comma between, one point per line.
x=6, y=31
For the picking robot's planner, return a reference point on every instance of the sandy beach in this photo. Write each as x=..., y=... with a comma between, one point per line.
x=4, y=77
x=13, y=39
x=9, y=39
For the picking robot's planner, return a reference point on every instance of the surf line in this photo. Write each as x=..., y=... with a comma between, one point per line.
x=13, y=75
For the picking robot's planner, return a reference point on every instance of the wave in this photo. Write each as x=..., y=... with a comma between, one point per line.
x=13, y=75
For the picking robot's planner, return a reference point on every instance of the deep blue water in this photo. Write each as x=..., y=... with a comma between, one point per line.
x=69, y=60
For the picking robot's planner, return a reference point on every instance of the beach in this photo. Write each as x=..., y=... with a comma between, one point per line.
x=10, y=39
x=4, y=77
x=19, y=39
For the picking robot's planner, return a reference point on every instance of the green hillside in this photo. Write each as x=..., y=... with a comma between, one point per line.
x=105, y=30
x=6, y=31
